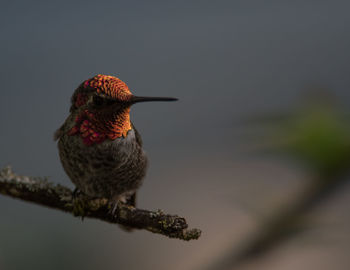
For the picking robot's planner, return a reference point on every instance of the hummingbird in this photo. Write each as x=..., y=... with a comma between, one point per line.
x=99, y=147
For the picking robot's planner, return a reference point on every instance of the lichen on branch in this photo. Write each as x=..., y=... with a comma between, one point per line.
x=40, y=191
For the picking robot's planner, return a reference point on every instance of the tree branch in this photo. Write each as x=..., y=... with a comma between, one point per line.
x=41, y=191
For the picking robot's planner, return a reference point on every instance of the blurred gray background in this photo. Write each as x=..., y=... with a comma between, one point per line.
x=224, y=60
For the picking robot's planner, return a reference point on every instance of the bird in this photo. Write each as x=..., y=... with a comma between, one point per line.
x=99, y=147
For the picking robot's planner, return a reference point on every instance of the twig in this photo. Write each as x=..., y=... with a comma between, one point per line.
x=41, y=191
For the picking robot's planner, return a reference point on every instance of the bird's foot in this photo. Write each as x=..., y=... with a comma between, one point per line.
x=113, y=209
x=76, y=192
x=119, y=202
x=78, y=203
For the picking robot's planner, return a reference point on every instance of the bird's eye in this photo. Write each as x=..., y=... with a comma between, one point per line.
x=102, y=101
x=98, y=101
x=109, y=101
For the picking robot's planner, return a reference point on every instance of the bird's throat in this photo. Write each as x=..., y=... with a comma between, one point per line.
x=96, y=127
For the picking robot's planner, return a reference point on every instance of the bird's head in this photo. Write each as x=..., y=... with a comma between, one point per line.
x=102, y=105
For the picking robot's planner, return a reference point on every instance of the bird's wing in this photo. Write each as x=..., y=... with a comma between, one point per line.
x=58, y=133
x=66, y=126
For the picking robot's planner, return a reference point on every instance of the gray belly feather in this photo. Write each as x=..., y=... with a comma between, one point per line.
x=108, y=169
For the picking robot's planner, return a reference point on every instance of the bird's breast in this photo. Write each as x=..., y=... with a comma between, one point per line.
x=105, y=169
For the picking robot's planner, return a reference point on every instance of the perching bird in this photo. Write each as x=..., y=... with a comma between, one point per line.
x=100, y=149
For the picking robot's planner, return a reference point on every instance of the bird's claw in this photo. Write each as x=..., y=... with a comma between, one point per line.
x=113, y=209
x=78, y=204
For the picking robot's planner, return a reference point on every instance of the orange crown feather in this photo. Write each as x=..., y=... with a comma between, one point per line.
x=109, y=85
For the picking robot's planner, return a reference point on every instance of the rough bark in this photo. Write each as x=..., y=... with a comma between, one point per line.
x=41, y=191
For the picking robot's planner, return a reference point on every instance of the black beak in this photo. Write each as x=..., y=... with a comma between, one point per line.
x=136, y=99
